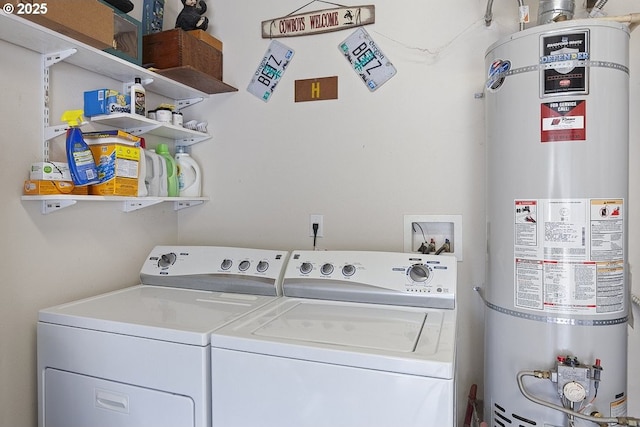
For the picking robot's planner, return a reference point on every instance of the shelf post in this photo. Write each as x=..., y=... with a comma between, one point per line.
x=48, y=60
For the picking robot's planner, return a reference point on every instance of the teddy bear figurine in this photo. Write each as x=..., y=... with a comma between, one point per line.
x=191, y=16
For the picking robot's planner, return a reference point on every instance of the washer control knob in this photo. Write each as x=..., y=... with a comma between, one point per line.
x=306, y=267
x=326, y=269
x=166, y=260
x=262, y=266
x=226, y=264
x=348, y=270
x=244, y=265
x=419, y=272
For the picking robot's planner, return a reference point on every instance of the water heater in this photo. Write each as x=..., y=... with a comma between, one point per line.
x=557, y=102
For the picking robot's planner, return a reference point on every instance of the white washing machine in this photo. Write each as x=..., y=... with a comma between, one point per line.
x=359, y=339
x=140, y=356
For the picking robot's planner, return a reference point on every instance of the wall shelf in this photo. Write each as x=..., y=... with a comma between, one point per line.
x=138, y=125
x=56, y=202
x=27, y=34
x=56, y=47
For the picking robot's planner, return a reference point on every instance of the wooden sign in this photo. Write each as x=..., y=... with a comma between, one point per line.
x=321, y=21
x=317, y=89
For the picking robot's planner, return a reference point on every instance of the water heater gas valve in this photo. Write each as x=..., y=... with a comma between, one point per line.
x=574, y=378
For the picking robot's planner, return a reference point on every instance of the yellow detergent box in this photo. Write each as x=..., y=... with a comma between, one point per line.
x=38, y=187
x=118, y=166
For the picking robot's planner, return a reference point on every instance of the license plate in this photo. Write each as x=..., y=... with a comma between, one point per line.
x=272, y=67
x=367, y=60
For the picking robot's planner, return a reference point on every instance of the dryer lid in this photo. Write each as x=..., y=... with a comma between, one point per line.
x=170, y=314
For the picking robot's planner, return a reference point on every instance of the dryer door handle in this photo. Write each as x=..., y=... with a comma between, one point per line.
x=113, y=401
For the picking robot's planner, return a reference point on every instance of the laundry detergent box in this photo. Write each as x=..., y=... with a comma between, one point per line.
x=39, y=187
x=50, y=171
x=105, y=101
x=117, y=166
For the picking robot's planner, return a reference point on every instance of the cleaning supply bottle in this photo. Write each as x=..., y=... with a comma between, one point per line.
x=156, y=176
x=81, y=163
x=142, y=171
x=138, y=95
x=172, y=172
x=189, y=175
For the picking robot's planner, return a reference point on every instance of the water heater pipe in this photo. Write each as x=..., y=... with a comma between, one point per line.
x=633, y=19
x=488, y=15
x=623, y=421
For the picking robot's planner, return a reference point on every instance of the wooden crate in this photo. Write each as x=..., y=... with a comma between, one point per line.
x=207, y=38
x=177, y=48
x=88, y=21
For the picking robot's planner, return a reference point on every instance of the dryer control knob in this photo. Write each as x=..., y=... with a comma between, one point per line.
x=419, y=272
x=306, y=267
x=226, y=264
x=167, y=260
x=326, y=269
x=244, y=265
x=348, y=270
x=262, y=266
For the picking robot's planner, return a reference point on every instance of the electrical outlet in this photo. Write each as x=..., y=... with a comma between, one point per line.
x=316, y=219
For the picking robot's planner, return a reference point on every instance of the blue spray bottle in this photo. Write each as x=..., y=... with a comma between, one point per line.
x=79, y=156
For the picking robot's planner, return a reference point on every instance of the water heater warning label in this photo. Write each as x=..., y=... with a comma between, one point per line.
x=563, y=121
x=569, y=255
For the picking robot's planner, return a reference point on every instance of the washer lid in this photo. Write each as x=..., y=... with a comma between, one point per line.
x=169, y=314
x=408, y=340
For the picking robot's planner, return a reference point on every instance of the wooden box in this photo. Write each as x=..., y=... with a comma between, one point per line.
x=177, y=49
x=87, y=21
x=207, y=38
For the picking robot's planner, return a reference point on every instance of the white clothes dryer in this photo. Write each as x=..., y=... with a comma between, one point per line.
x=140, y=356
x=358, y=339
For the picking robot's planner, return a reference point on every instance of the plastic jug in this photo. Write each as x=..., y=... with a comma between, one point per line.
x=172, y=170
x=189, y=175
x=143, y=190
x=156, y=174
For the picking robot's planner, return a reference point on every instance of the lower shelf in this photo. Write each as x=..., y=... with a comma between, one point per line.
x=52, y=203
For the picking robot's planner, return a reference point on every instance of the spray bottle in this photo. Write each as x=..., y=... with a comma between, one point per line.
x=79, y=156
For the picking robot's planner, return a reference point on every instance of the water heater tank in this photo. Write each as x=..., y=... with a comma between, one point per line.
x=557, y=123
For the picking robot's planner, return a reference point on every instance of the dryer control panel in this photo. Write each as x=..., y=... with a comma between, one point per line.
x=227, y=269
x=386, y=277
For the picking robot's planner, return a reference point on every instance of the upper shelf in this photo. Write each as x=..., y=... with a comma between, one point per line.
x=139, y=125
x=27, y=34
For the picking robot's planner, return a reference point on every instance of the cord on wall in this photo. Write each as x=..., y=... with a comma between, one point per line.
x=315, y=227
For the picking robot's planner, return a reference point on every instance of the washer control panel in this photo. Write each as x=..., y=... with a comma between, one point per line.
x=406, y=273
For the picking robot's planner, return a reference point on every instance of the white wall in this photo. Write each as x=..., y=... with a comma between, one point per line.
x=80, y=251
x=415, y=146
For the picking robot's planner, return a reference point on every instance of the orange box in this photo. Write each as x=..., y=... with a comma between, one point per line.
x=45, y=188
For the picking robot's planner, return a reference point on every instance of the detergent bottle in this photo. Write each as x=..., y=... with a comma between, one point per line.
x=189, y=176
x=81, y=163
x=156, y=173
x=172, y=172
x=143, y=190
